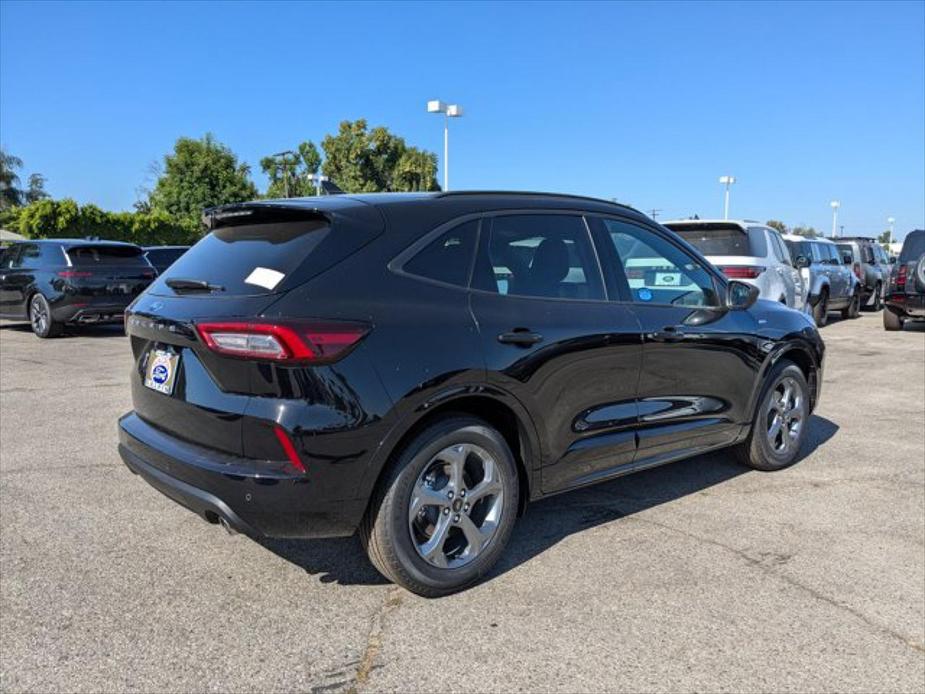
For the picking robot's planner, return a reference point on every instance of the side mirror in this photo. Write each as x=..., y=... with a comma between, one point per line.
x=801, y=262
x=740, y=296
x=847, y=258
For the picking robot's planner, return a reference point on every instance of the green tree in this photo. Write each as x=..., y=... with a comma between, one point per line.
x=884, y=238
x=780, y=226
x=808, y=232
x=36, y=190
x=290, y=172
x=10, y=193
x=360, y=160
x=199, y=174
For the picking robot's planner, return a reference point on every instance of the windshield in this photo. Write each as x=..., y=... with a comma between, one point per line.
x=249, y=259
x=719, y=239
x=103, y=256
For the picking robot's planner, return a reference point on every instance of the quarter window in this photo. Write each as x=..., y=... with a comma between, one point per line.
x=448, y=257
x=542, y=255
x=656, y=271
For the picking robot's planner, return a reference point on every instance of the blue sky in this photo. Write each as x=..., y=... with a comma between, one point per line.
x=648, y=103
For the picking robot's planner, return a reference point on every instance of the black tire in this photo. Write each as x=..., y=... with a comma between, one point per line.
x=853, y=309
x=892, y=320
x=43, y=325
x=878, y=297
x=386, y=530
x=758, y=451
x=821, y=309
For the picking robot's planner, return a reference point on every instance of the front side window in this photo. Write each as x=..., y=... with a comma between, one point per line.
x=655, y=270
x=540, y=255
x=449, y=257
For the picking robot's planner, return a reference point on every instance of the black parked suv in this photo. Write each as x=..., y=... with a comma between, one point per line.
x=54, y=282
x=419, y=366
x=905, y=297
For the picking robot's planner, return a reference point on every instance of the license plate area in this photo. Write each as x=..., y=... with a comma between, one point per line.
x=161, y=370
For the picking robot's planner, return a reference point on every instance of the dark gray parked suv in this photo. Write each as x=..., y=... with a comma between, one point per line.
x=905, y=297
x=871, y=266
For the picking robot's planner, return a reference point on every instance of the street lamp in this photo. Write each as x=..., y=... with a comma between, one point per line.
x=726, y=181
x=891, y=221
x=448, y=111
x=835, y=204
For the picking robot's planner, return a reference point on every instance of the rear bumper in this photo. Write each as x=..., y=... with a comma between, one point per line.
x=911, y=305
x=217, y=487
x=90, y=312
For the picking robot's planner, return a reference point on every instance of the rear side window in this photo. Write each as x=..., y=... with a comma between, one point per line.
x=106, y=256
x=540, y=255
x=447, y=258
x=250, y=259
x=913, y=247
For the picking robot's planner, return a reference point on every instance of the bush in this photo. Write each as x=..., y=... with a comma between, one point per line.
x=66, y=219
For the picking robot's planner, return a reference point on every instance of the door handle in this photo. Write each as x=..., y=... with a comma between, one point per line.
x=671, y=333
x=520, y=337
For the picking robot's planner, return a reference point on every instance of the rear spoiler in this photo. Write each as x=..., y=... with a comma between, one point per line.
x=239, y=214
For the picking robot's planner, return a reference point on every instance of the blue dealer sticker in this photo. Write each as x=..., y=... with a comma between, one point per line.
x=644, y=294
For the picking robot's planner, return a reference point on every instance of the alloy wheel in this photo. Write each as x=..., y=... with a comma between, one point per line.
x=785, y=417
x=456, y=506
x=38, y=314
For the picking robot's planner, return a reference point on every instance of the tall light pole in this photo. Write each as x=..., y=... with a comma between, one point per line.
x=835, y=204
x=726, y=181
x=891, y=221
x=448, y=111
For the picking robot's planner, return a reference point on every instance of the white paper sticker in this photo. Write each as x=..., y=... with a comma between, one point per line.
x=264, y=277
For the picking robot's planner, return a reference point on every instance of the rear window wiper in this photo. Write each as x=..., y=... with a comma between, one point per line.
x=180, y=285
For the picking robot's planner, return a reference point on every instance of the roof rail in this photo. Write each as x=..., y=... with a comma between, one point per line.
x=461, y=193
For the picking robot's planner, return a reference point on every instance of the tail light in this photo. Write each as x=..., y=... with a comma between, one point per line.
x=282, y=341
x=857, y=271
x=75, y=273
x=901, y=278
x=742, y=272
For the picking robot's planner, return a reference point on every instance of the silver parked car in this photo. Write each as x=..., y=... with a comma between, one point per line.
x=749, y=252
x=871, y=265
x=828, y=274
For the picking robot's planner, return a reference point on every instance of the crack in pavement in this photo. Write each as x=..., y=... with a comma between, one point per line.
x=374, y=639
x=768, y=569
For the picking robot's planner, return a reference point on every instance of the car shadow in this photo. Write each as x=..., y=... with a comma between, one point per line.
x=88, y=330
x=549, y=521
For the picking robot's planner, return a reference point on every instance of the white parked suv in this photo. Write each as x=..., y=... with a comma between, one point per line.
x=749, y=252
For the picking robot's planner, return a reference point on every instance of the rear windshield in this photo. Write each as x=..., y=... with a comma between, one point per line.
x=106, y=256
x=249, y=259
x=913, y=247
x=162, y=257
x=729, y=240
x=798, y=248
x=844, y=248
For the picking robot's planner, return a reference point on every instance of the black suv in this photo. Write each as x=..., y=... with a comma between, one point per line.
x=905, y=296
x=419, y=366
x=54, y=282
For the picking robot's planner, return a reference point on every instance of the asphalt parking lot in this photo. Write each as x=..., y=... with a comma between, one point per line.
x=698, y=576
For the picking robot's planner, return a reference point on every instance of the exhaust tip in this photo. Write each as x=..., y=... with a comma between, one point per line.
x=224, y=523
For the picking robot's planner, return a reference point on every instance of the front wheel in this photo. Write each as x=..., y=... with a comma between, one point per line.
x=443, y=514
x=40, y=317
x=780, y=422
x=821, y=309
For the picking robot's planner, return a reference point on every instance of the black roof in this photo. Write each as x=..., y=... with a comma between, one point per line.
x=461, y=202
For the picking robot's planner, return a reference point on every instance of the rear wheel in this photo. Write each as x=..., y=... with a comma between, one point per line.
x=821, y=309
x=853, y=309
x=878, y=297
x=891, y=319
x=779, y=426
x=443, y=514
x=40, y=317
